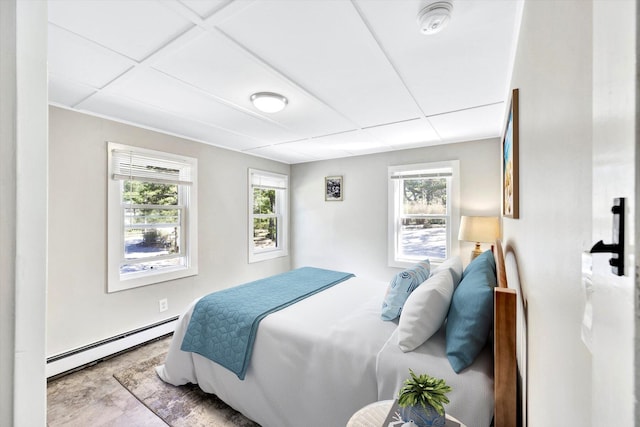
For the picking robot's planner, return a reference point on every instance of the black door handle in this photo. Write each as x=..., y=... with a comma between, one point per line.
x=617, y=247
x=602, y=247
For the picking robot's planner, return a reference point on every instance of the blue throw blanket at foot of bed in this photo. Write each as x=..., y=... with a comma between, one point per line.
x=224, y=324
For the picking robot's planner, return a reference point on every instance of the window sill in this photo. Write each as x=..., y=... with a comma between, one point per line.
x=117, y=284
x=267, y=255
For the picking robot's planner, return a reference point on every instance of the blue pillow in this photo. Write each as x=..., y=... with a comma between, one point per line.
x=470, y=317
x=401, y=287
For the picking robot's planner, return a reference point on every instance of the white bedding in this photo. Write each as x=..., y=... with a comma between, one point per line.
x=471, y=397
x=318, y=361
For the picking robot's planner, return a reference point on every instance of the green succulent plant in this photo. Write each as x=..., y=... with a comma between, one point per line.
x=424, y=390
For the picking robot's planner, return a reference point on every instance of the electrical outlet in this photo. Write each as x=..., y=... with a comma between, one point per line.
x=163, y=304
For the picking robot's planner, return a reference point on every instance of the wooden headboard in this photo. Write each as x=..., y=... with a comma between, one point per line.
x=504, y=351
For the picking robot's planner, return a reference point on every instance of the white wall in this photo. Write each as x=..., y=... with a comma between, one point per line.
x=553, y=72
x=7, y=207
x=615, y=142
x=80, y=312
x=352, y=235
x=23, y=211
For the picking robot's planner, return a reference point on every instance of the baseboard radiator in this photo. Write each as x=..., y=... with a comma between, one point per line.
x=73, y=360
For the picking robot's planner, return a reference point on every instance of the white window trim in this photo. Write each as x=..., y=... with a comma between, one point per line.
x=115, y=227
x=283, y=218
x=394, y=209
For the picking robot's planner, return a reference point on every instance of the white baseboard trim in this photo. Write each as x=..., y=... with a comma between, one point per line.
x=89, y=354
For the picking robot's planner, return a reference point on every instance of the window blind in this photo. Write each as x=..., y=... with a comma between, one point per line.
x=268, y=180
x=139, y=166
x=419, y=175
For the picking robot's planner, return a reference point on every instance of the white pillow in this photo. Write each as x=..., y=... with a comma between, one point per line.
x=425, y=310
x=454, y=264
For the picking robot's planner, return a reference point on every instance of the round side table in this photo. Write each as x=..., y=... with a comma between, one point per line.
x=373, y=415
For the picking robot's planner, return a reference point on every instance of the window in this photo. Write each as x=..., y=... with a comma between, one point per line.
x=423, y=212
x=268, y=215
x=152, y=217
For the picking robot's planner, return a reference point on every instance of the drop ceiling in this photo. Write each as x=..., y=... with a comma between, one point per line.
x=359, y=76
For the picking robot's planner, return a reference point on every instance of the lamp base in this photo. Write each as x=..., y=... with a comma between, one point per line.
x=476, y=251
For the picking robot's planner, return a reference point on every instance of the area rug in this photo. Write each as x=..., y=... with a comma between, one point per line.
x=184, y=406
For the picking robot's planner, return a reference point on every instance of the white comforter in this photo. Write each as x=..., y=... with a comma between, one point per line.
x=314, y=363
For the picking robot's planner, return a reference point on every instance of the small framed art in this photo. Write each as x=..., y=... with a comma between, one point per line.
x=333, y=188
x=510, y=159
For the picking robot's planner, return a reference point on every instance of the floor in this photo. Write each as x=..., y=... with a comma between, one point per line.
x=92, y=397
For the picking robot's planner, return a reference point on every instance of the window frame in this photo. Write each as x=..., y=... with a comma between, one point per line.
x=281, y=214
x=116, y=227
x=394, y=202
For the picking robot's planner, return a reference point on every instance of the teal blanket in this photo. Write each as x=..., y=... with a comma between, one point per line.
x=224, y=324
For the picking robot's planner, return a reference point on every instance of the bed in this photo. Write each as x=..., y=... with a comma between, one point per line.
x=316, y=362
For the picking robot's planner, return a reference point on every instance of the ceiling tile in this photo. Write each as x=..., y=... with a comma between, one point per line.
x=204, y=9
x=281, y=153
x=479, y=123
x=128, y=111
x=217, y=65
x=407, y=134
x=355, y=142
x=66, y=93
x=465, y=65
x=326, y=48
x=314, y=150
x=158, y=90
x=82, y=61
x=134, y=28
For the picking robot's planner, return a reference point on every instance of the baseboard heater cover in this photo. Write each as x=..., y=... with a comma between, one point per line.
x=90, y=354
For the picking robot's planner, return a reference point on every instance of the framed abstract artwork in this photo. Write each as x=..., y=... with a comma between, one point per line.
x=333, y=188
x=510, y=158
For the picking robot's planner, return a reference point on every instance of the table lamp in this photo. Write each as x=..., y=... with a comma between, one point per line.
x=479, y=229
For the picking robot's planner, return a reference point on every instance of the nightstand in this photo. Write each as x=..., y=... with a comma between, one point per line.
x=373, y=415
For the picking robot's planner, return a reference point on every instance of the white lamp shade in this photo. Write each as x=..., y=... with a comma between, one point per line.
x=479, y=228
x=269, y=102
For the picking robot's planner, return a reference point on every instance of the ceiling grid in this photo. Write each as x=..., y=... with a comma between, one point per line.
x=359, y=76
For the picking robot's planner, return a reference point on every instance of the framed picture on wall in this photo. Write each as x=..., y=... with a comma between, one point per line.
x=510, y=181
x=333, y=188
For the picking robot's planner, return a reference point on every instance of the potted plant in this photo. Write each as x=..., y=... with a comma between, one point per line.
x=421, y=400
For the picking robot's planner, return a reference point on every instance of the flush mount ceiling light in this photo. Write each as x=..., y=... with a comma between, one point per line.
x=269, y=102
x=434, y=17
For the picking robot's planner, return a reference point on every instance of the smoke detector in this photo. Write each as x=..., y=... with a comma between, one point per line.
x=434, y=17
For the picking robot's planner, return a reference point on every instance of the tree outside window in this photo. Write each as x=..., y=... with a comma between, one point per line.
x=268, y=215
x=423, y=205
x=152, y=217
